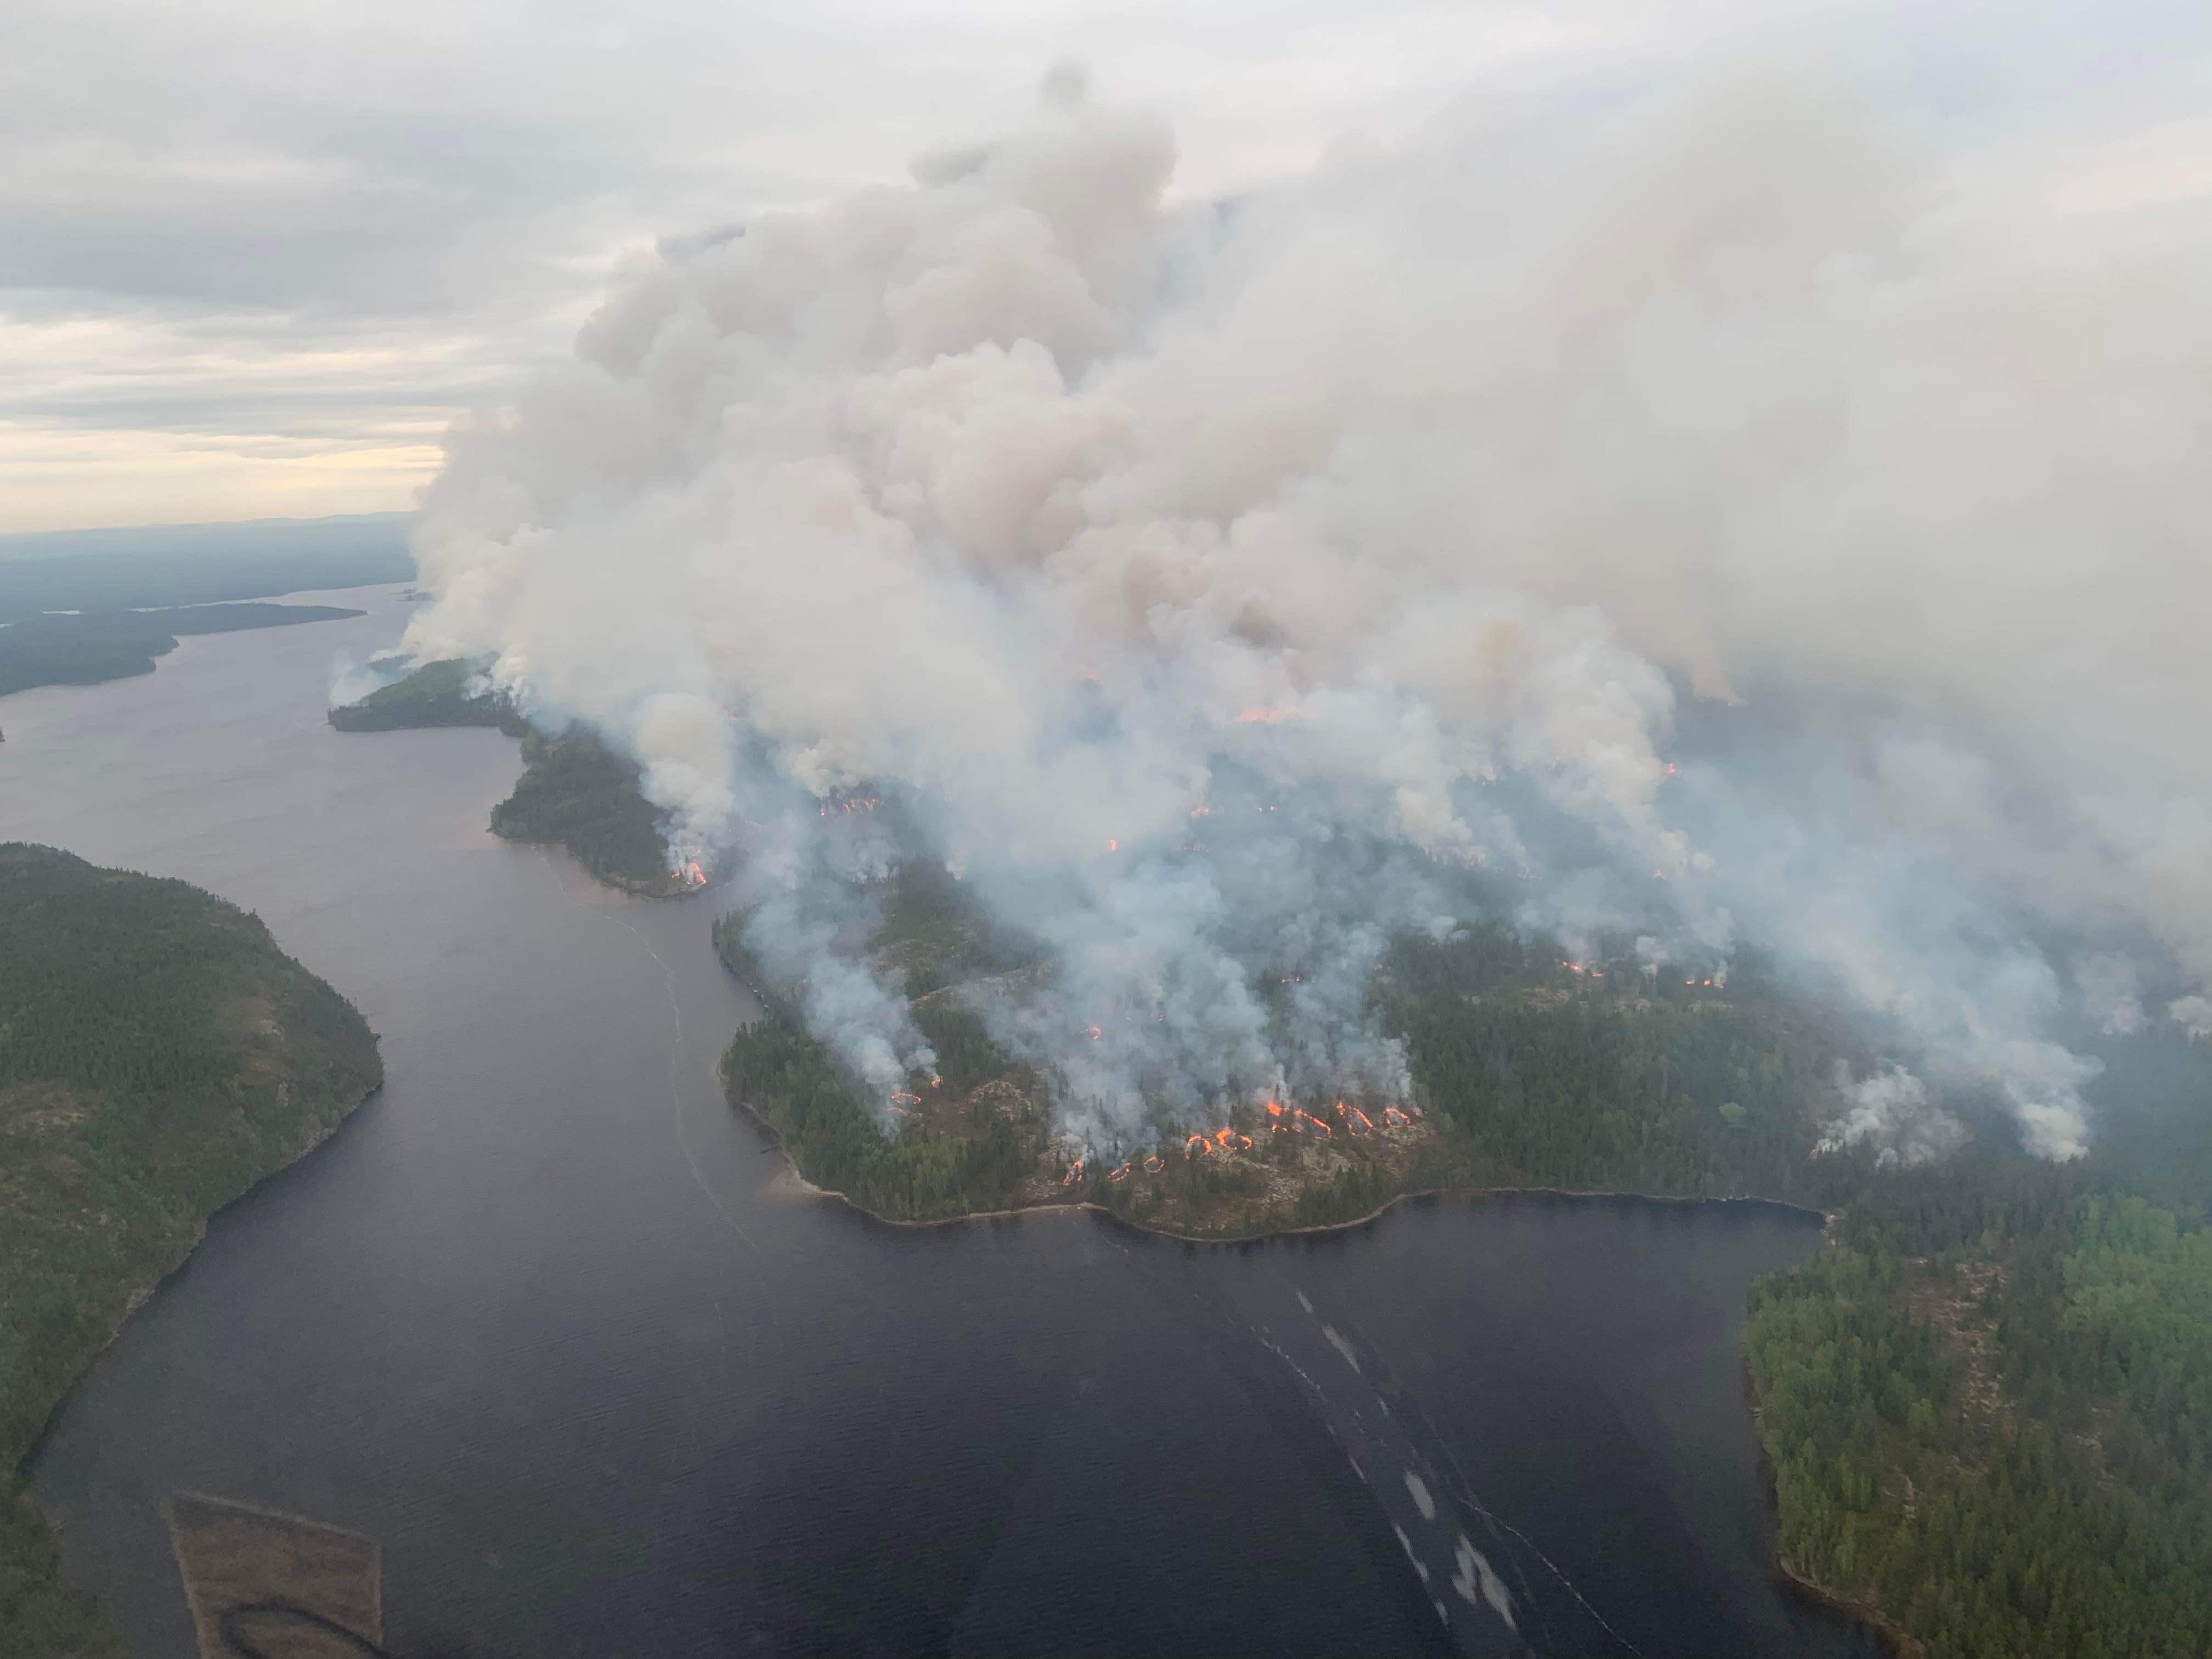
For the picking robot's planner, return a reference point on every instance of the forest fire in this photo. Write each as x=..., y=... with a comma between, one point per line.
x=1074, y=1173
x=1396, y=1118
x=851, y=803
x=902, y=1099
x=1122, y=1174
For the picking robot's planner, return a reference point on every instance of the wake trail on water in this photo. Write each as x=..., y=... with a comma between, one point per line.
x=675, y=1066
x=873, y=1292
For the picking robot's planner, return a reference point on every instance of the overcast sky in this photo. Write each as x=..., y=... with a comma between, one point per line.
x=256, y=254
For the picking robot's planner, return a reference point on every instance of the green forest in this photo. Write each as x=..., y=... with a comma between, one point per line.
x=441, y=693
x=1987, y=1404
x=574, y=791
x=158, y=1056
x=84, y=648
x=794, y=1084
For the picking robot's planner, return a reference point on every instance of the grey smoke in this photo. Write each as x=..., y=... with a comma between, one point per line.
x=1746, y=514
x=1890, y=1110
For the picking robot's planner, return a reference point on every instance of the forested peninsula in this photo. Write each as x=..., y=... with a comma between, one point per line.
x=159, y=1055
x=1984, y=1400
x=574, y=791
x=87, y=647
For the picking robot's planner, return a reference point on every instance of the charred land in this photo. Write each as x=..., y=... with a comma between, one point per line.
x=159, y=1055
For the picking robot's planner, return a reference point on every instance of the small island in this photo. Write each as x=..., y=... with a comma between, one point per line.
x=159, y=1055
x=1982, y=1401
x=574, y=791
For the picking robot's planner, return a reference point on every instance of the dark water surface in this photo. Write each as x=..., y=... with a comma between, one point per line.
x=546, y=1319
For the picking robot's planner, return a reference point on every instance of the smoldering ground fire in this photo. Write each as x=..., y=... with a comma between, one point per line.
x=1417, y=531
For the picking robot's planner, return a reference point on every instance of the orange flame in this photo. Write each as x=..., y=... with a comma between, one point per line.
x=1122, y=1174
x=1153, y=1165
x=902, y=1099
x=1074, y=1173
x=1095, y=1032
x=1196, y=1146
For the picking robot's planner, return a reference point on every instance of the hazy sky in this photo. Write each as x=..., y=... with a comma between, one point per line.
x=255, y=255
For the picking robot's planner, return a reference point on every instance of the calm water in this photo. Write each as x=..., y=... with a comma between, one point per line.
x=544, y=1320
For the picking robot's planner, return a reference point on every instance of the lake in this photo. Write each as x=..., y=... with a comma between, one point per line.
x=552, y=1323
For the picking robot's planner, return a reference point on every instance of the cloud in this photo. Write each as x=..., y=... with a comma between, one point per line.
x=244, y=190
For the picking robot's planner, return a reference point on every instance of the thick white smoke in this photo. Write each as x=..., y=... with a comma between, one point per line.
x=1892, y=1111
x=1735, y=515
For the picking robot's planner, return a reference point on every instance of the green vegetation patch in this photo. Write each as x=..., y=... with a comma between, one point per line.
x=443, y=693
x=574, y=791
x=87, y=649
x=984, y=1132
x=158, y=1056
x=1985, y=1408
x=1609, y=1078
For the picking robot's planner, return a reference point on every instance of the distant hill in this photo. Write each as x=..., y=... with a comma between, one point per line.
x=198, y=564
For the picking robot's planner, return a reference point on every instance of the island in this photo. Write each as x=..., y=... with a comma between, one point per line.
x=1984, y=1400
x=159, y=1055
x=87, y=647
x=574, y=791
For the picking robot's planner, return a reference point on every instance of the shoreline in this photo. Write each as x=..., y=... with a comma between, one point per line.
x=139, y=1295
x=808, y=1188
x=1892, y=1635
x=792, y=1183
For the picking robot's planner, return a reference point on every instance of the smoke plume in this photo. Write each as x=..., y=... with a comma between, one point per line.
x=1748, y=513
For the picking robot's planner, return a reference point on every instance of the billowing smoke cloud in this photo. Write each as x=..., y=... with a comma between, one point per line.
x=1737, y=514
x=1892, y=1111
